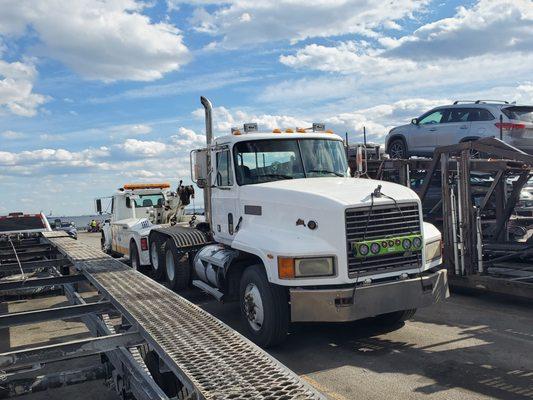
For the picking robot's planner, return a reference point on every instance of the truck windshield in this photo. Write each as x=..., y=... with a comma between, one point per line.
x=149, y=200
x=261, y=161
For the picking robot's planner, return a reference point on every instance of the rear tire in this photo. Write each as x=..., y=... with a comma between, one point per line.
x=395, y=318
x=397, y=149
x=177, y=267
x=157, y=254
x=134, y=256
x=264, y=307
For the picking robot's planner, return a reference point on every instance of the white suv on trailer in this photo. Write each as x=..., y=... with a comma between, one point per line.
x=462, y=121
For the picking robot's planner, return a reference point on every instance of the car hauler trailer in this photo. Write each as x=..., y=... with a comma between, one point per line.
x=154, y=344
x=292, y=237
x=472, y=190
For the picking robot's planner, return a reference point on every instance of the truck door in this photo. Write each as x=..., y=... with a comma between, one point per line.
x=224, y=197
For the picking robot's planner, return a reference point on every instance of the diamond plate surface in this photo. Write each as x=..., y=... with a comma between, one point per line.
x=215, y=360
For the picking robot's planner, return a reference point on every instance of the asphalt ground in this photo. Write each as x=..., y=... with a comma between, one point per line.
x=472, y=346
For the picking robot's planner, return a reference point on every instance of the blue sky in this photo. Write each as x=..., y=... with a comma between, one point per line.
x=94, y=94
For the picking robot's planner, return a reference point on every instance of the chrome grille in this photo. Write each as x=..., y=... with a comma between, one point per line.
x=384, y=221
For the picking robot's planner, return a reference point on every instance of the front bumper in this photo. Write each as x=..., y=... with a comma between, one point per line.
x=341, y=305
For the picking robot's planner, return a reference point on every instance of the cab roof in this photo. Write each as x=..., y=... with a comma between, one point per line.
x=235, y=138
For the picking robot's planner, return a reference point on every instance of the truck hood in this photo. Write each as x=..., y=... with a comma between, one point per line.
x=320, y=192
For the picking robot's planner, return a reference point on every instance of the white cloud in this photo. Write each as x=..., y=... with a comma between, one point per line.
x=250, y=21
x=194, y=84
x=143, y=147
x=129, y=130
x=16, y=89
x=187, y=139
x=224, y=119
x=12, y=135
x=107, y=40
x=490, y=26
x=486, y=46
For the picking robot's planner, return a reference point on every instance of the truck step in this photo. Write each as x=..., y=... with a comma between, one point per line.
x=217, y=294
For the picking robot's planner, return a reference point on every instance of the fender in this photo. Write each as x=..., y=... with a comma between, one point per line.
x=268, y=244
x=393, y=137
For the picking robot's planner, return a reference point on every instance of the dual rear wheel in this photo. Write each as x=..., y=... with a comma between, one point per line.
x=170, y=265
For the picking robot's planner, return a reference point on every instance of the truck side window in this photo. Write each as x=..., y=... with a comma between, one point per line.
x=224, y=171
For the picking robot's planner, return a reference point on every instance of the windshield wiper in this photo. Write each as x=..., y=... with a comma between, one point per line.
x=275, y=176
x=325, y=171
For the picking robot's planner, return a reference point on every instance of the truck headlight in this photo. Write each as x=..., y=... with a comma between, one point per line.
x=289, y=268
x=313, y=267
x=433, y=250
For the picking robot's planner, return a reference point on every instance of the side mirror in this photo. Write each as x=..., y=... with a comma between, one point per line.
x=99, y=206
x=415, y=121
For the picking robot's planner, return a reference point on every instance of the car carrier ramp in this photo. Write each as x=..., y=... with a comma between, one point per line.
x=212, y=360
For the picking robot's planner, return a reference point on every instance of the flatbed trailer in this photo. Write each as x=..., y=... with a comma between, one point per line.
x=491, y=260
x=165, y=347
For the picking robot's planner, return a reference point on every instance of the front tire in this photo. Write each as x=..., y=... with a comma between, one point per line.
x=264, y=307
x=177, y=267
x=397, y=149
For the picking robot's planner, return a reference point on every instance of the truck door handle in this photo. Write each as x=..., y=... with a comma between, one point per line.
x=432, y=129
x=463, y=127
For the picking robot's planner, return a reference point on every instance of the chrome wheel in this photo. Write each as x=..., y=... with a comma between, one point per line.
x=154, y=256
x=169, y=265
x=397, y=149
x=253, y=306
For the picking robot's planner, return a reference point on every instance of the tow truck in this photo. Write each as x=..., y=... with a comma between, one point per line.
x=136, y=209
x=293, y=238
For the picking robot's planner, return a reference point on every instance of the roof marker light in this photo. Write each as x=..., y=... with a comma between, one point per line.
x=277, y=130
x=289, y=130
x=301, y=130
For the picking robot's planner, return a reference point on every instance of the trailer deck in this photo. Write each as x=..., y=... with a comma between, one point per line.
x=208, y=358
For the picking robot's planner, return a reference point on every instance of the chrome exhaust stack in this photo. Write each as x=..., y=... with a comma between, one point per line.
x=208, y=107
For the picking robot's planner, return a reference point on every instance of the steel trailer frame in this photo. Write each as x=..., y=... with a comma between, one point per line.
x=455, y=165
x=189, y=354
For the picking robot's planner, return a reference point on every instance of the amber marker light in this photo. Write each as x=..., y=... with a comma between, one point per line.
x=286, y=267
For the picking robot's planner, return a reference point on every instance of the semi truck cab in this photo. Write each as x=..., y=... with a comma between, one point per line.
x=295, y=238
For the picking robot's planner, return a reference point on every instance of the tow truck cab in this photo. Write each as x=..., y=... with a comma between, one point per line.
x=135, y=209
x=298, y=239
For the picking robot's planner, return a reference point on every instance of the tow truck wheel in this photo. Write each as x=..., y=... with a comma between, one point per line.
x=177, y=267
x=157, y=252
x=134, y=256
x=395, y=318
x=264, y=307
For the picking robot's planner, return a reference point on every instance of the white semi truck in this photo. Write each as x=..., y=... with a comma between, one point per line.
x=292, y=237
x=135, y=209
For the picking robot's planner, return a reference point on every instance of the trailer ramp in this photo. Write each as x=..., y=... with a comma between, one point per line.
x=212, y=360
